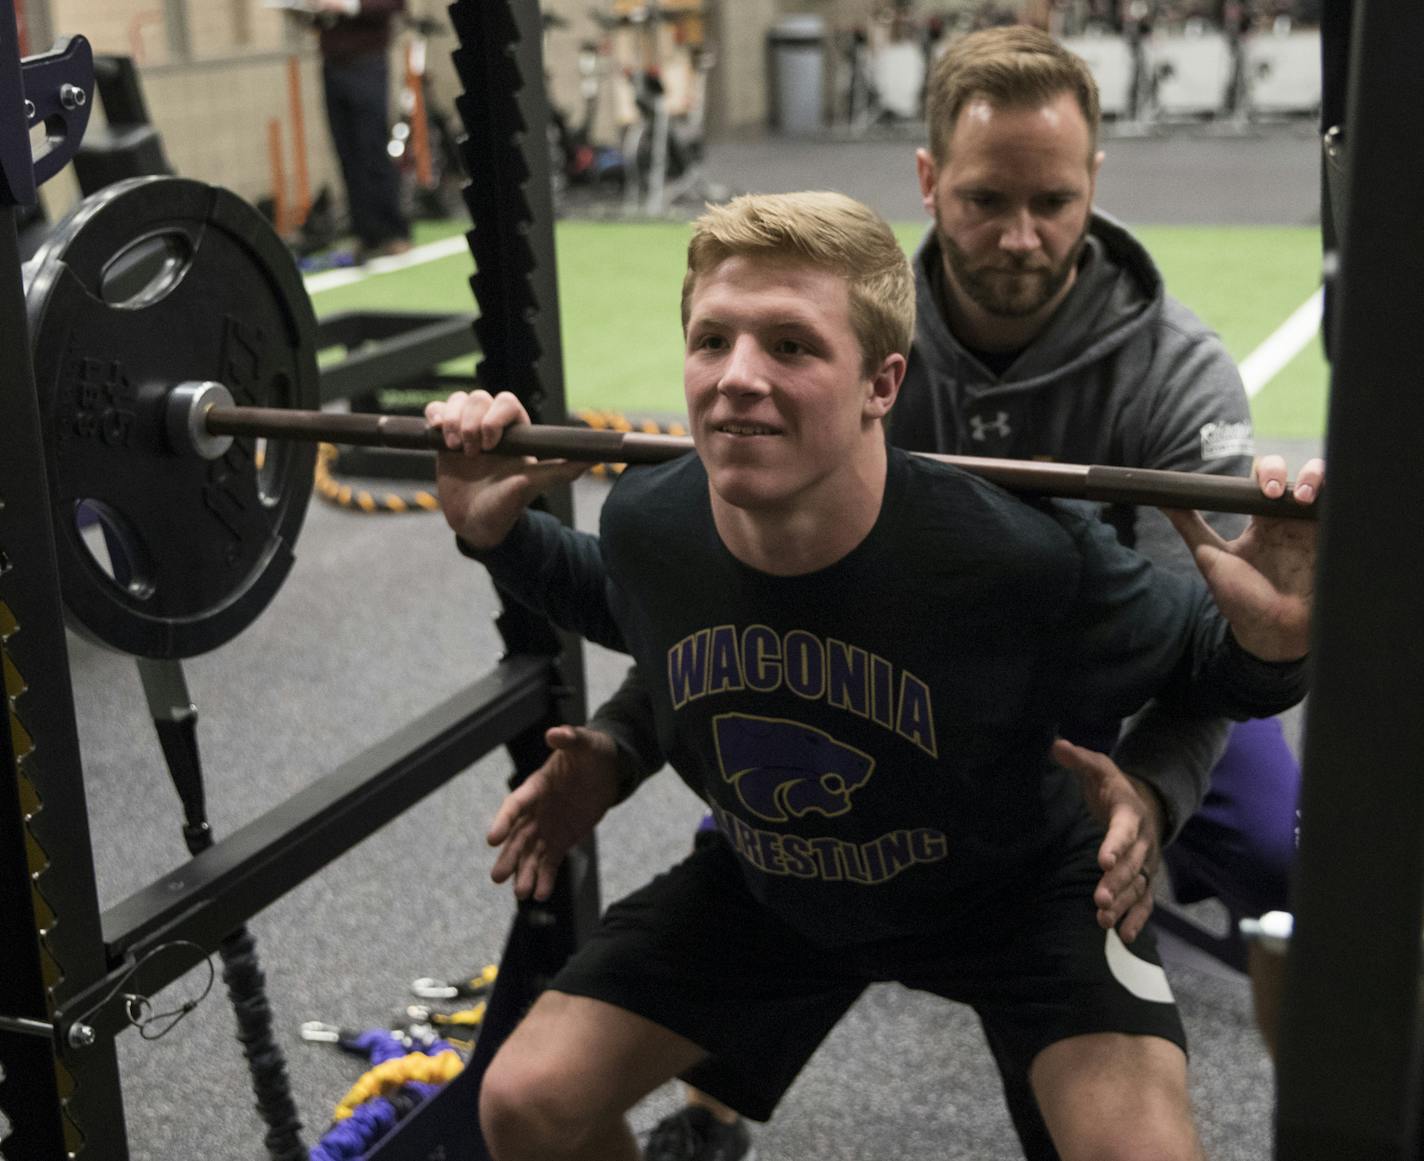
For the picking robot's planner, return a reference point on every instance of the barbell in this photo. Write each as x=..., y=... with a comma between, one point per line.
x=202, y=418
x=175, y=359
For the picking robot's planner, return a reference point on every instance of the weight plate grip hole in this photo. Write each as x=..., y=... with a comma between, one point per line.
x=146, y=270
x=115, y=546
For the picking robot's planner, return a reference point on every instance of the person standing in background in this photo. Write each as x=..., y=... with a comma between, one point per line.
x=355, y=37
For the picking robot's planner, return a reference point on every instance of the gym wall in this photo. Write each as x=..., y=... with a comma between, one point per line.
x=214, y=72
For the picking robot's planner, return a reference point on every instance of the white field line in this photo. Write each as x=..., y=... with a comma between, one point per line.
x=1285, y=342
x=345, y=276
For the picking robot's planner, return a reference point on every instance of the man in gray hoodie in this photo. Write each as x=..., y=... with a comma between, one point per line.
x=1044, y=332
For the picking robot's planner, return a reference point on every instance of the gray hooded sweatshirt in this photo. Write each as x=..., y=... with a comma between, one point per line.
x=1123, y=374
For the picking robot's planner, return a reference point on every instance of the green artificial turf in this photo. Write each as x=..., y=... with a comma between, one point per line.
x=1294, y=404
x=1245, y=282
x=619, y=287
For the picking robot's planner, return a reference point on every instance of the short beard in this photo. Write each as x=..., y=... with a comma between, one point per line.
x=990, y=293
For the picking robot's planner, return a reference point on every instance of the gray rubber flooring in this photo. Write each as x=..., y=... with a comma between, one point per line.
x=380, y=619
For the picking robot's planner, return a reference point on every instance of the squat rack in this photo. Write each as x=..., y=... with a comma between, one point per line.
x=66, y=960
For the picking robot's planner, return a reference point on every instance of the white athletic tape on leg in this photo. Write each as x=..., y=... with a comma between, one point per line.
x=1144, y=980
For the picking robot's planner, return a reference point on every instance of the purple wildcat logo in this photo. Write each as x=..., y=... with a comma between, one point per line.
x=783, y=770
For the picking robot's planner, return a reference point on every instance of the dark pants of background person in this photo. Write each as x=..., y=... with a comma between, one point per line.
x=357, y=93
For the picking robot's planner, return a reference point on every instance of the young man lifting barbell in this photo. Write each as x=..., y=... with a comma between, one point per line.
x=1044, y=332
x=862, y=659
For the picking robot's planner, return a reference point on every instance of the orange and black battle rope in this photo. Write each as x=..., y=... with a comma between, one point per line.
x=332, y=490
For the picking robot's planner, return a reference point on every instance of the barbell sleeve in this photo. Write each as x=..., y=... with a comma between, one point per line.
x=1100, y=483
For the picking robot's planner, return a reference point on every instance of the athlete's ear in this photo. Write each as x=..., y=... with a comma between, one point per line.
x=884, y=386
x=925, y=170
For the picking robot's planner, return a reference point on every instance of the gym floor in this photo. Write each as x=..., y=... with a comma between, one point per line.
x=380, y=619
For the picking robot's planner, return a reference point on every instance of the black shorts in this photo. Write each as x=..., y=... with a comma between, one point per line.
x=694, y=952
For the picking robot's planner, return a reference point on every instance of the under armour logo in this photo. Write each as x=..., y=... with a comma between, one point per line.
x=999, y=426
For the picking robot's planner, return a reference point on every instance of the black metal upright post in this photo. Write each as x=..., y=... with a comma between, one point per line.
x=505, y=110
x=1350, y=1046
x=61, y=1098
x=505, y=113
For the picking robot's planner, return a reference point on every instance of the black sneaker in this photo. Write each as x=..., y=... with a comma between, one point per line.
x=694, y=1134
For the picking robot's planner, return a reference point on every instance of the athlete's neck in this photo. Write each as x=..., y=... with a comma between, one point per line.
x=814, y=529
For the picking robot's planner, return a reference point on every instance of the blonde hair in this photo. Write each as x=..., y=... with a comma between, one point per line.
x=1010, y=67
x=825, y=230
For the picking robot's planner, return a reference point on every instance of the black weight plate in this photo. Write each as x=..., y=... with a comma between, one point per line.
x=149, y=283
